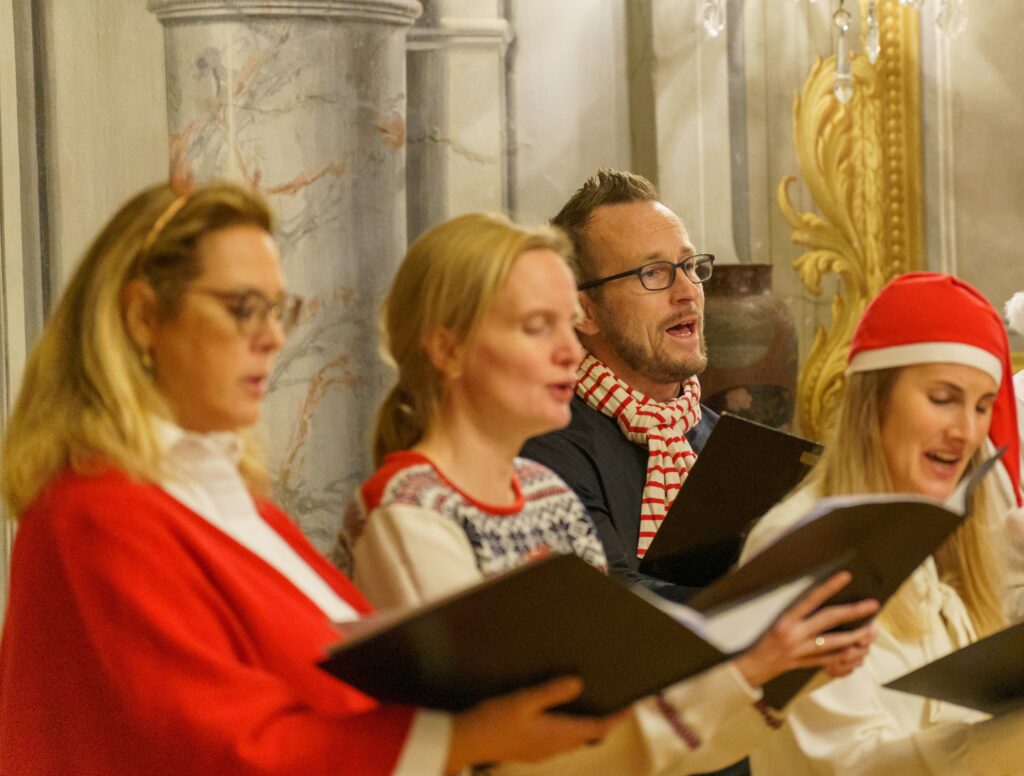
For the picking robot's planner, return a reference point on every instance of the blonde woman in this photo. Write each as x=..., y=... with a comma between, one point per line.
x=164, y=617
x=928, y=381
x=479, y=322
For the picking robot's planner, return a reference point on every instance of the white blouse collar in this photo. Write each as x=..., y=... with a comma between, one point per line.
x=180, y=445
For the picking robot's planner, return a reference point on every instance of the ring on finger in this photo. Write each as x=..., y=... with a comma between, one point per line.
x=819, y=642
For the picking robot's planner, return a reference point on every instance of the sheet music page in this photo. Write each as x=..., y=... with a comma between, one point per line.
x=735, y=628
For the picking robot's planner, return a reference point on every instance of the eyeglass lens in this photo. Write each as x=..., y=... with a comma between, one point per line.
x=252, y=311
x=660, y=275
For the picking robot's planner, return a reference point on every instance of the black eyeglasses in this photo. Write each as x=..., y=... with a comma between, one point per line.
x=659, y=275
x=251, y=309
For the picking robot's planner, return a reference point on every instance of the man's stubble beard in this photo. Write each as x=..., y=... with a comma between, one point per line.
x=653, y=366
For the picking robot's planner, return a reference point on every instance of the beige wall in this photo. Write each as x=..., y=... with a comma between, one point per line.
x=105, y=115
x=974, y=159
x=13, y=317
x=570, y=111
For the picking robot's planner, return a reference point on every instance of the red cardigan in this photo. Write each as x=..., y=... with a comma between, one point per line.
x=139, y=639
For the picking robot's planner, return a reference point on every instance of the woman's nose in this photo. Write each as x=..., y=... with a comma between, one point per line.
x=970, y=427
x=271, y=335
x=569, y=350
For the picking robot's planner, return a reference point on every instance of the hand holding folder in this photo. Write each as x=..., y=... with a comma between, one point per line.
x=879, y=538
x=559, y=616
x=556, y=616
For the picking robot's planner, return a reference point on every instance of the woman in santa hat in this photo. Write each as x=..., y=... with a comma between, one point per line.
x=928, y=387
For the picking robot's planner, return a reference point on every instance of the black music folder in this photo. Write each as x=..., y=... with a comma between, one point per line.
x=744, y=469
x=987, y=675
x=555, y=616
x=881, y=539
x=559, y=615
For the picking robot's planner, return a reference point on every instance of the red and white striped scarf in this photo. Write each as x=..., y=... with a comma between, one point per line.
x=661, y=426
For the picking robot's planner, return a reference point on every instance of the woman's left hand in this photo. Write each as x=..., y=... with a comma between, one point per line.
x=800, y=638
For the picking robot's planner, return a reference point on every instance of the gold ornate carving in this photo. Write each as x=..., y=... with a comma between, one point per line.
x=861, y=163
x=1017, y=361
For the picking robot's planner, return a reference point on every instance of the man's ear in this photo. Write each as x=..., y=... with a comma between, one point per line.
x=587, y=323
x=444, y=351
x=139, y=305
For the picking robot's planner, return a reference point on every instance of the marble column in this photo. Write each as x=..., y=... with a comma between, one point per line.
x=305, y=99
x=457, y=111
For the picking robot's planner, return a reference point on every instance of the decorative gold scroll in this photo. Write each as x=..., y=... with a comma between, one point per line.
x=861, y=163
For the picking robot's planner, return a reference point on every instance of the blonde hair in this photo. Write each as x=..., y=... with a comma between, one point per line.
x=853, y=462
x=86, y=398
x=447, y=280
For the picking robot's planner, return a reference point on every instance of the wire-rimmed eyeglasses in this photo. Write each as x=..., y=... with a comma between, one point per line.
x=659, y=275
x=252, y=310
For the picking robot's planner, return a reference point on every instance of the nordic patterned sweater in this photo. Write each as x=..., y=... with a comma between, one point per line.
x=546, y=515
x=411, y=536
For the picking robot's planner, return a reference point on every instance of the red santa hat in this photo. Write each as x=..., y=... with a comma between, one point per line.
x=930, y=318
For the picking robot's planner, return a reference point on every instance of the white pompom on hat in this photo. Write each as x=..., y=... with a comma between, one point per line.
x=931, y=318
x=1015, y=312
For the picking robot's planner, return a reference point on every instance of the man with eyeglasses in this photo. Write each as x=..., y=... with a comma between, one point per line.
x=637, y=422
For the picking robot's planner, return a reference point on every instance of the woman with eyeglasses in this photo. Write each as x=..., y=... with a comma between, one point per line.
x=480, y=324
x=164, y=617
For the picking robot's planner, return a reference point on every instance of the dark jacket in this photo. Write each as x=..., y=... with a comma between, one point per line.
x=608, y=473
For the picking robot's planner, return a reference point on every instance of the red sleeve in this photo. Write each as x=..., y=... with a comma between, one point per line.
x=341, y=584
x=121, y=656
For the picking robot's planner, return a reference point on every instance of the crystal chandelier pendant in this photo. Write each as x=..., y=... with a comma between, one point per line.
x=952, y=18
x=713, y=17
x=872, y=36
x=843, y=89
